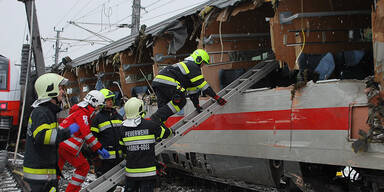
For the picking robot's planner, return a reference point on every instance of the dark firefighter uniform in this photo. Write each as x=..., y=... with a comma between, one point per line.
x=173, y=83
x=43, y=136
x=138, y=137
x=106, y=127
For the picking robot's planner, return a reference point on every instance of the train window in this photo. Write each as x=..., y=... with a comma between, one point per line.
x=3, y=75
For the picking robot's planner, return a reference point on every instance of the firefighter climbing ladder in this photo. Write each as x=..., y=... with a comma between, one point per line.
x=255, y=74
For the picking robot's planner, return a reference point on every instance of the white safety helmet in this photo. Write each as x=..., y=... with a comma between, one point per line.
x=94, y=98
x=134, y=108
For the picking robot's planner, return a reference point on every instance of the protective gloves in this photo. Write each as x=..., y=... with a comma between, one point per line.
x=220, y=100
x=103, y=152
x=73, y=128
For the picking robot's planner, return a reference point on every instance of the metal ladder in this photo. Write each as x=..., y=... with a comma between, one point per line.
x=255, y=74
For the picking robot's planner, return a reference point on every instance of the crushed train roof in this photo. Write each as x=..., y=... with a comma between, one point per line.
x=124, y=43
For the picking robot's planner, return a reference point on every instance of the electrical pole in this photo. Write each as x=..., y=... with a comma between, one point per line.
x=57, y=47
x=135, y=17
x=38, y=56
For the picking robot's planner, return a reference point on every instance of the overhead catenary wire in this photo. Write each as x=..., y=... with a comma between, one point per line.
x=69, y=11
x=171, y=12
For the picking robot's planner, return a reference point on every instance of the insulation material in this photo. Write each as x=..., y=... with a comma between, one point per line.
x=321, y=34
x=378, y=41
x=232, y=42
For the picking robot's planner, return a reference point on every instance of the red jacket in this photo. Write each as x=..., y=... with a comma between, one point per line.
x=81, y=116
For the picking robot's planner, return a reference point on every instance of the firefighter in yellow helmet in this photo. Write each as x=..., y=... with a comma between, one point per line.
x=138, y=137
x=105, y=126
x=175, y=82
x=44, y=134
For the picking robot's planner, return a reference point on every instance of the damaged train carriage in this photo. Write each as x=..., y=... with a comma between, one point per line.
x=293, y=129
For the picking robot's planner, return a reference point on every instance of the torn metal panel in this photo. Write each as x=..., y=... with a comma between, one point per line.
x=178, y=30
x=378, y=41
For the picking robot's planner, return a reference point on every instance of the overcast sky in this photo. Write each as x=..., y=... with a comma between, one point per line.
x=57, y=13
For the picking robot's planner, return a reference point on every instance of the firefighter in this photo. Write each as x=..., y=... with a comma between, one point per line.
x=106, y=127
x=174, y=82
x=43, y=134
x=138, y=137
x=70, y=149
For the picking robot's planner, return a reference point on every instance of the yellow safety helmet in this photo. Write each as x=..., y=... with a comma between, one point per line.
x=47, y=85
x=134, y=108
x=200, y=55
x=107, y=93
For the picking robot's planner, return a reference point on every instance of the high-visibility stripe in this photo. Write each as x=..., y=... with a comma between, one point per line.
x=75, y=183
x=77, y=176
x=205, y=86
x=183, y=68
x=202, y=85
x=109, y=124
x=53, y=189
x=147, y=174
x=80, y=140
x=47, y=137
x=53, y=137
x=95, y=129
x=146, y=141
x=43, y=177
x=192, y=92
x=44, y=126
x=166, y=80
x=39, y=171
x=197, y=78
x=180, y=88
x=71, y=144
x=140, y=137
x=162, y=132
x=121, y=142
x=88, y=136
x=140, y=170
x=93, y=143
x=173, y=107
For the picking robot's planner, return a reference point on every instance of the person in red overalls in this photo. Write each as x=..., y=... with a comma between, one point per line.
x=70, y=149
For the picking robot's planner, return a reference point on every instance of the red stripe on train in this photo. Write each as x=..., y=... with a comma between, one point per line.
x=302, y=119
x=13, y=109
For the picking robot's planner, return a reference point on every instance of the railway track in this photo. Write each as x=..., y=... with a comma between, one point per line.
x=8, y=182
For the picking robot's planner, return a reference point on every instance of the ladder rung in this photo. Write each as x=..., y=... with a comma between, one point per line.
x=256, y=70
x=228, y=90
x=242, y=80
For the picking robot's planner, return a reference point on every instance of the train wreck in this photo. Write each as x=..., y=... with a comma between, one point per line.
x=303, y=81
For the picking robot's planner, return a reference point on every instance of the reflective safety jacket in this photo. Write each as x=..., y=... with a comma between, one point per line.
x=106, y=127
x=186, y=76
x=43, y=136
x=81, y=116
x=138, y=137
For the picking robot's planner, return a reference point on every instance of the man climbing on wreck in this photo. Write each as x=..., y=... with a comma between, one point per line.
x=175, y=82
